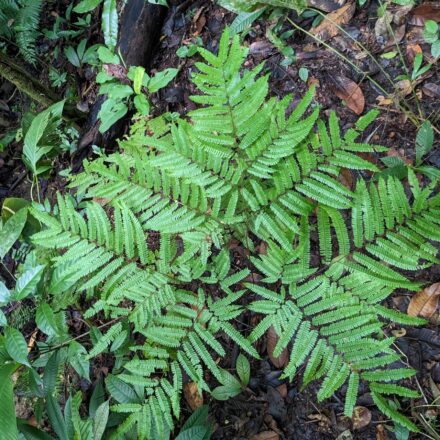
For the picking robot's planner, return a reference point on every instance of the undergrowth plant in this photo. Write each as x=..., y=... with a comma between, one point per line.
x=144, y=243
x=19, y=20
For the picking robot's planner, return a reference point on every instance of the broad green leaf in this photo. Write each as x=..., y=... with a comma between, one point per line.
x=110, y=23
x=161, y=79
x=3, y=320
x=138, y=77
x=120, y=391
x=50, y=375
x=11, y=231
x=107, y=56
x=27, y=283
x=116, y=91
x=32, y=150
x=100, y=420
x=56, y=417
x=243, y=369
x=97, y=398
x=7, y=407
x=11, y=206
x=223, y=392
x=111, y=111
x=72, y=56
x=193, y=433
x=31, y=433
x=77, y=358
x=45, y=319
x=198, y=417
x=142, y=105
x=86, y=6
x=244, y=20
x=16, y=346
x=5, y=294
x=424, y=140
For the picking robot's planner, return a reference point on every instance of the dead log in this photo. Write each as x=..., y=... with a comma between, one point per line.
x=139, y=34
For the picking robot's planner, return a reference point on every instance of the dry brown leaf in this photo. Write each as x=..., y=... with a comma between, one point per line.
x=412, y=50
x=346, y=178
x=361, y=417
x=434, y=388
x=192, y=395
x=323, y=421
x=404, y=87
x=32, y=340
x=382, y=27
x=426, y=11
x=425, y=302
x=282, y=389
x=380, y=433
x=381, y=100
x=198, y=23
x=272, y=339
x=350, y=92
x=266, y=435
x=328, y=28
x=432, y=90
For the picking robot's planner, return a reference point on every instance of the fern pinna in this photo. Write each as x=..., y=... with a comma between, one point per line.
x=240, y=166
x=20, y=19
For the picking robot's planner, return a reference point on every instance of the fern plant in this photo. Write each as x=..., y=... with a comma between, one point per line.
x=19, y=20
x=148, y=245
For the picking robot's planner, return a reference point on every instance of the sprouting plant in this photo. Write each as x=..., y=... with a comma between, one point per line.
x=123, y=87
x=431, y=36
x=57, y=79
x=41, y=139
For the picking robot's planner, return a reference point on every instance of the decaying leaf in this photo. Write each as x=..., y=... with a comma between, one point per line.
x=329, y=27
x=272, y=339
x=412, y=50
x=346, y=178
x=350, y=92
x=326, y=5
x=32, y=340
x=116, y=70
x=404, y=87
x=381, y=100
x=198, y=22
x=361, y=417
x=382, y=27
x=345, y=435
x=432, y=90
x=425, y=302
x=192, y=395
x=380, y=433
x=425, y=11
x=265, y=435
x=322, y=419
x=434, y=388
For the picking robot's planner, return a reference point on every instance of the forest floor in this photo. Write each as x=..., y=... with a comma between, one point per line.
x=271, y=408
